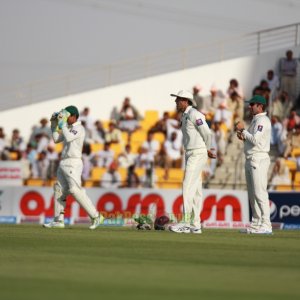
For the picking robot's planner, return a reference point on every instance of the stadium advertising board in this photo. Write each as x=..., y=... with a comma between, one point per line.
x=221, y=208
x=10, y=173
x=285, y=209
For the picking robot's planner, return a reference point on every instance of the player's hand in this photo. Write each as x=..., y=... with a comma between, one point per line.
x=54, y=116
x=211, y=154
x=239, y=126
x=240, y=136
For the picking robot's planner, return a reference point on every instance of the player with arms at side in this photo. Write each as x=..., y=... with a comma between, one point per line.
x=197, y=145
x=256, y=147
x=72, y=135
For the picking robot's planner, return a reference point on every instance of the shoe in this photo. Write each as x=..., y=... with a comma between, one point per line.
x=97, y=222
x=179, y=228
x=262, y=230
x=55, y=224
x=196, y=230
x=248, y=230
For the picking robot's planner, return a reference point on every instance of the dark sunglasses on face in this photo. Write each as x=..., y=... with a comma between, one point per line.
x=252, y=104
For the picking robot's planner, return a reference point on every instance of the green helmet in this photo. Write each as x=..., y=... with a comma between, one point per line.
x=72, y=110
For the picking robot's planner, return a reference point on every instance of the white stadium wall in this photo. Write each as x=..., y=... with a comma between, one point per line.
x=148, y=94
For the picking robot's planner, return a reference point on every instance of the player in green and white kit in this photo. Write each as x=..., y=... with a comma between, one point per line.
x=67, y=129
x=256, y=147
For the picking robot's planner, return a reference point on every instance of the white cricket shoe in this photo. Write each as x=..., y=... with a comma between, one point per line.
x=196, y=230
x=55, y=224
x=262, y=230
x=180, y=228
x=97, y=222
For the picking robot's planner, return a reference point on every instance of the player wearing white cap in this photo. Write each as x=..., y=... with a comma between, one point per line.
x=197, y=145
x=256, y=147
x=72, y=135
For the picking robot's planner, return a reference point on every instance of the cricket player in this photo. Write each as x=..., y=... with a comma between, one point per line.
x=72, y=135
x=256, y=147
x=197, y=142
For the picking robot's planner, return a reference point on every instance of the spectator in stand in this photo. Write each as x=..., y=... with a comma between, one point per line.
x=103, y=158
x=236, y=106
x=88, y=139
x=98, y=133
x=199, y=100
x=111, y=178
x=114, y=134
x=53, y=159
x=145, y=159
x=223, y=115
x=42, y=165
x=4, y=155
x=212, y=102
x=291, y=121
x=292, y=142
x=288, y=75
x=129, y=117
x=173, y=125
x=44, y=129
x=32, y=157
x=273, y=83
x=220, y=139
x=42, y=141
x=173, y=153
x=132, y=179
x=16, y=143
x=152, y=146
x=87, y=164
x=127, y=159
x=281, y=105
x=277, y=135
x=85, y=116
x=234, y=88
x=280, y=174
x=161, y=125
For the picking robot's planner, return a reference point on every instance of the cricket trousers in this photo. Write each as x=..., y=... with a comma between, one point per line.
x=69, y=182
x=195, y=161
x=256, y=171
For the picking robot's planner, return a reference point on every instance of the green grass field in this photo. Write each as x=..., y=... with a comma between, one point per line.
x=122, y=263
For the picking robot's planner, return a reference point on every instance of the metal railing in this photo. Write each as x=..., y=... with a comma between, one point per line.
x=173, y=60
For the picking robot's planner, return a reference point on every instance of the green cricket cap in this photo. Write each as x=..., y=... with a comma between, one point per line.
x=258, y=99
x=72, y=110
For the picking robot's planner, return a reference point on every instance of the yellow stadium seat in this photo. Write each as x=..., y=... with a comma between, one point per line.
x=296, y=152
x=297, y=178
x=146, y=124
x=58, y=147
x=283, y=187
x=123, y=174
x=95, y=147
x=139, y=136
x=159, y=136
x=117, y=148
x=13, y=155
x=97, y=173
x=151, y=116
x=140, y=171
x=291, y=164
x=35, y=182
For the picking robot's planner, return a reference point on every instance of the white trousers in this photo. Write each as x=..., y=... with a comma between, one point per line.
x=195, y=161
x=69, y=182
x=256, y=170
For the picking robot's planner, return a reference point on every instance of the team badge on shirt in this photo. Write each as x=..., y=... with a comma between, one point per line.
x=259, y=128
x=199, y=122
x=73, y=131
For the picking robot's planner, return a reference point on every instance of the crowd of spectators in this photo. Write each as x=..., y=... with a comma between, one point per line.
x=222, y=109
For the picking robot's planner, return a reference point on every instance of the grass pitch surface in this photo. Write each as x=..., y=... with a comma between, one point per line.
x=122, y=263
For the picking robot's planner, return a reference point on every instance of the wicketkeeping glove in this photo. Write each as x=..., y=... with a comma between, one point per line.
x=62, y=118
x=54, y=122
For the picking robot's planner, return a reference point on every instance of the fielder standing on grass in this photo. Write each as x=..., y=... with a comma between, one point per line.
x=197, y=145
x=256, y=147
x=70, y=167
